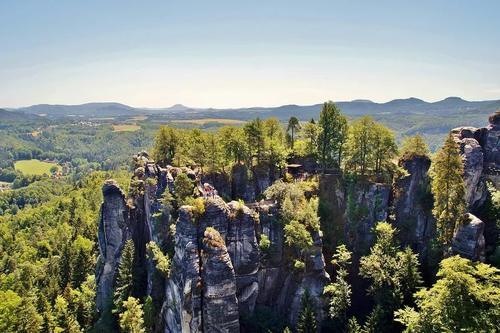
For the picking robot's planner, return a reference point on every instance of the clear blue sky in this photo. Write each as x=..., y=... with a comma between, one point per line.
x=246, y=53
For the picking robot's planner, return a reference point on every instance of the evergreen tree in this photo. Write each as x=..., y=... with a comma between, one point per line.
x=371, y=147
x=183, y=188
x=149, y=314
x=465, y=298
x=131, y=320
x=448, y=189
x=393, y=275
x=65, y=267
x=414, y=146
x=255, y=134
x=332, y=136
x=234, y=144
x=167, y=142
x=124, y=278
x=65, y=320
x=307, y=316
x=339, y=291
x=310, y=132
x=293, y=128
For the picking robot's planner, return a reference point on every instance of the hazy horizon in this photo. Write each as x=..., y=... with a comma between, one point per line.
x=231, y=55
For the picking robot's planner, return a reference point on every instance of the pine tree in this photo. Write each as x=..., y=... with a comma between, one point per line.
x=255, y=135
x=293, y=127
x=448, y=189
x=414, y=146
x=307, y=316
x=83, y=266
x=332, y=136
x=131, y=320
x=149, y=317
x=340, y=290
x=124, y=279
x=65, y=267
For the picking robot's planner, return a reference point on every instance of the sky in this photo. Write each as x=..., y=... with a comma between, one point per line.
x=246, y=53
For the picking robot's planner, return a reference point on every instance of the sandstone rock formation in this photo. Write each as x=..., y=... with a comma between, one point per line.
x=468, y=240
x=412, y=202
x=220, y=304
x=113, y=232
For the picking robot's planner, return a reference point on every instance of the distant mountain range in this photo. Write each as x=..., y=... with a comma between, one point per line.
x=16, y=116
x=410, y=106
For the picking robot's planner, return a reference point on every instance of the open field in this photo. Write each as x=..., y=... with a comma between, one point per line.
x=126, y=128
x=34, y=167
x=204, y=121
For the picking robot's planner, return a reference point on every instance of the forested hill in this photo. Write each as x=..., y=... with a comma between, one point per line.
x=15, y=116
x=410, y=106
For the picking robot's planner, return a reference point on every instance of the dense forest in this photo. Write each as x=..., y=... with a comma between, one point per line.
x=324, y=202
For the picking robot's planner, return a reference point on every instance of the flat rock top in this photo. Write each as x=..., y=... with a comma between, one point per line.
x=111, y=187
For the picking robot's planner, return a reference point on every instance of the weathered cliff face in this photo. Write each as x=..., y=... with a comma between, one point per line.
x=412, y=201
x=241, y=185
x=113, y=232
x=491, y=147
x=367, y=204
x=181, y=310
x=220, y=304
x=332, y=210
x=472, y=154
x=245, y=255
x=468, y=240
x=480, y=149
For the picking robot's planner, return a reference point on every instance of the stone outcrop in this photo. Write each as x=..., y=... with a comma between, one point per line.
x=113, y=232
x=472, y=154
x=241, y=185
x=480, y=149
x=181, y=310
x=367, y=204
x=412, y=202
x=468, y=240
x=243, y=248
x=491, y=148
x=220, y=304
x=219, y=274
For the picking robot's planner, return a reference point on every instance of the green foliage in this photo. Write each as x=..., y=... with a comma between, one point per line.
x=299, y=265
x=264, y=243
x=149, y=315
x=466, y=298
x=166, y=144
x=49, y=250
x=371, y=148
x=161, y=260
x=183, y=188
x=280, y=191
x=393, y=274
x=18, y=314
x=296, y=235
x=124, y=277
x=332, y=136
x=353, y=326
x=293, y=128
x=339, y=291
x=131, y=320
x=414, y=146
x=307, y=317
x=197, y=207
x=234, y=145
x=448, y=189
x=255, y=135
x=310, y=133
